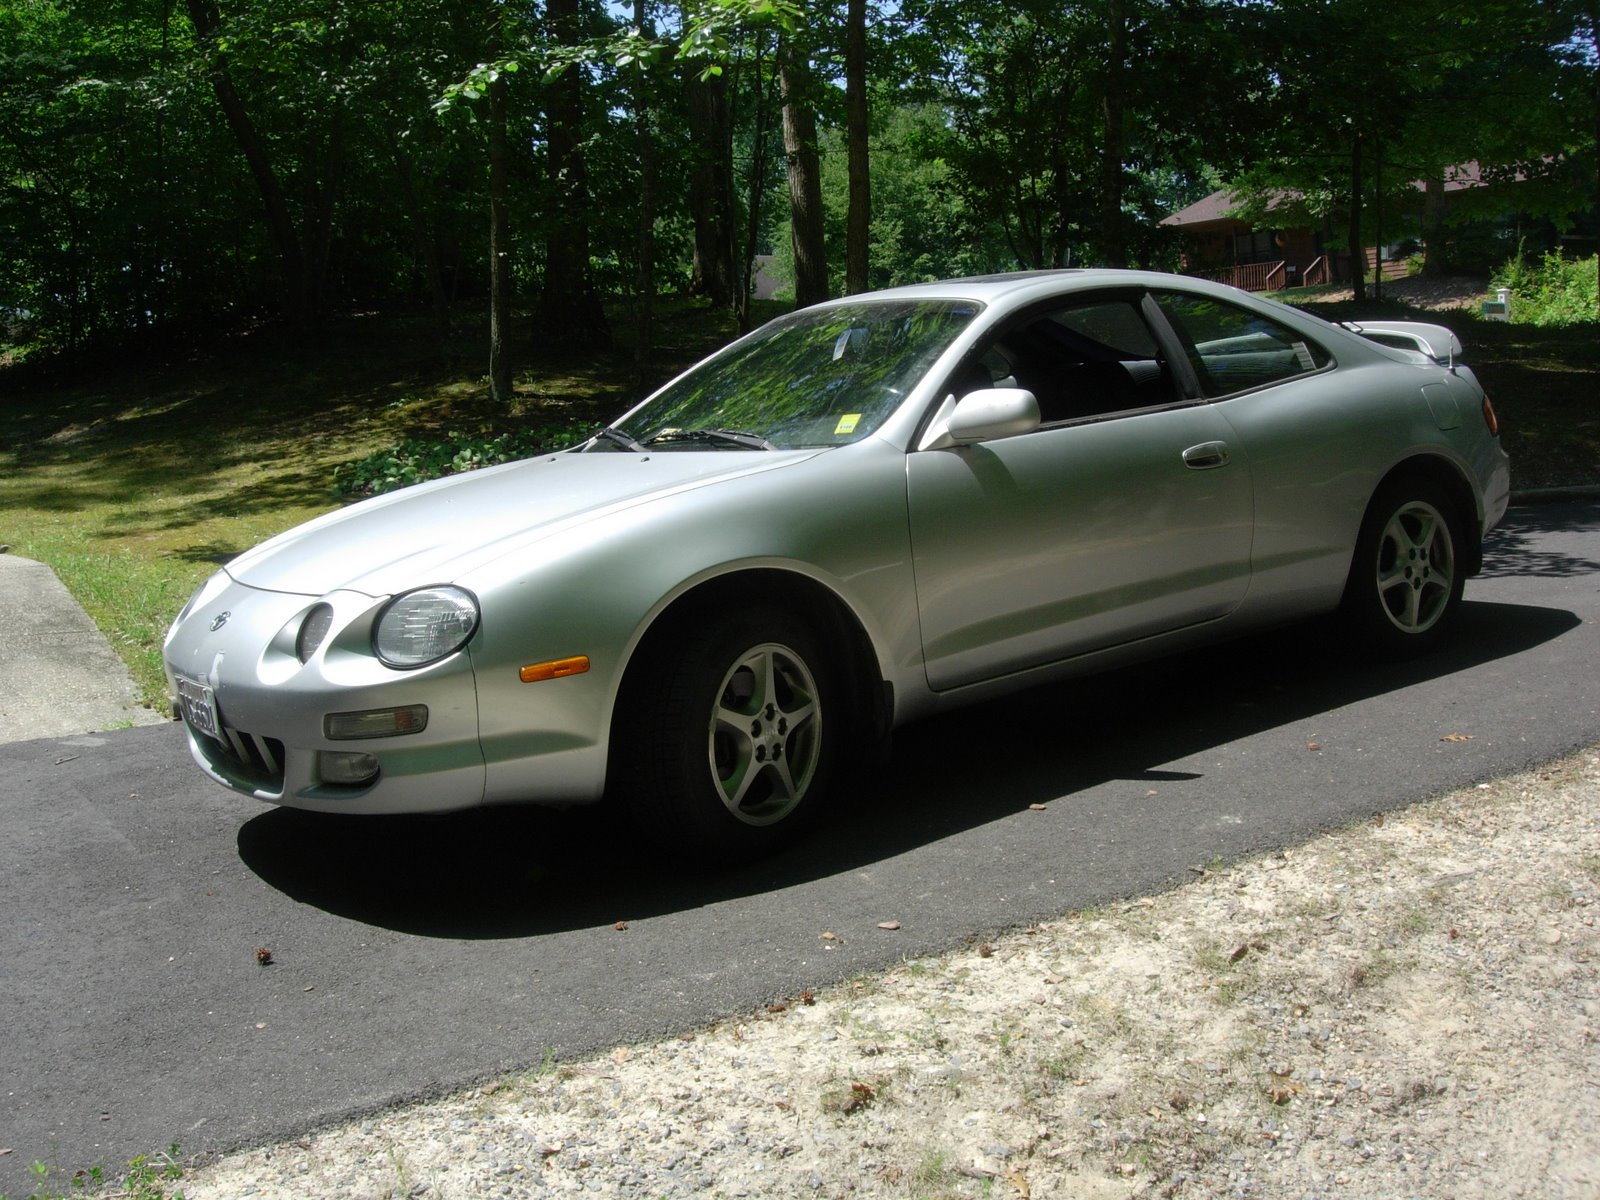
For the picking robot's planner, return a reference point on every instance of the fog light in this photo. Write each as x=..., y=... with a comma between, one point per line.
x=375, y=723
x=346, y=769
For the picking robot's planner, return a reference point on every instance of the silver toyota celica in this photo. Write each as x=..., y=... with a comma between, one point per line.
x=858, y=514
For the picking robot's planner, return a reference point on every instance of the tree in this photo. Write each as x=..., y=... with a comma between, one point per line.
x=858, y=235
x=805, y=179
x=570, y=312
x=711, y=184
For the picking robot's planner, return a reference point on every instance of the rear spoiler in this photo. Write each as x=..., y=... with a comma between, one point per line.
x=1437, y=342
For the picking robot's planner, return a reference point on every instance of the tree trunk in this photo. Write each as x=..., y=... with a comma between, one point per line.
x=570, y=316
x=1114, y=244
x=645, y=284
x=1377, y=219
x=711, y=187
x=207, y=21
x=757, y=188
x=499, y=249
x=1434, y=259
x=805, y=176
x=858, y=226
x=1358, y=252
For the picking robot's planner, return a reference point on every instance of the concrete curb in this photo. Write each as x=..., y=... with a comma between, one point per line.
x=1555, y=495
x=58, y=674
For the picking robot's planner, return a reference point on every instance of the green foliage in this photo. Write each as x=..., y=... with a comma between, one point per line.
x=419, y=459
x=1551, y=291
x=147, y=1178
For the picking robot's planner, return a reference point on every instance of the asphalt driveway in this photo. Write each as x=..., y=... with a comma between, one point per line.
x=411, y=957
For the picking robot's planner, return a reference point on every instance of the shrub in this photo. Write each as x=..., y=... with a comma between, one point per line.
x=1550, y=291
x=417, y=460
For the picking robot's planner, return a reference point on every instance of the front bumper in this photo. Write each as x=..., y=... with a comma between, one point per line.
x=271, y=708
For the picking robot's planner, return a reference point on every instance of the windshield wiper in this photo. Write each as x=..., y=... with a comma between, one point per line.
x=732, y=437
x=617, y=438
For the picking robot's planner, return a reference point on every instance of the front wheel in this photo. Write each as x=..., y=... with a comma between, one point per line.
x=729, y=740
x=1406, y=577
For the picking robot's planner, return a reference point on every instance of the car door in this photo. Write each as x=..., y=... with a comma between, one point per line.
x=1127, y=513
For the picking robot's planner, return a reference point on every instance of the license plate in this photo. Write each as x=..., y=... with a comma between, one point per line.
x=199, y=704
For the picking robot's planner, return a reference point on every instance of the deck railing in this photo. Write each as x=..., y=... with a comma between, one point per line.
x=1253, y=277
x=1319, y=272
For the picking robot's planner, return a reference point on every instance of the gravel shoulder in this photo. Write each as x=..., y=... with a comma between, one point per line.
x=1407, y=1007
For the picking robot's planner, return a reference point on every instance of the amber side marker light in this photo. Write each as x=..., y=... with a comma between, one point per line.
x=560, y=669
x=1489, y=419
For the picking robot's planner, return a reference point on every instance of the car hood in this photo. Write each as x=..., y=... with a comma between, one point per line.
x=435, y=532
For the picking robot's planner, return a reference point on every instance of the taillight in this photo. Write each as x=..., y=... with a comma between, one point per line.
x=1489, y=419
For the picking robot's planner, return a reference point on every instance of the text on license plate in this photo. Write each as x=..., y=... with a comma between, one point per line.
x=199, y=704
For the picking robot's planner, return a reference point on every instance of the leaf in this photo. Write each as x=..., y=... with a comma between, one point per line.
x=1038, y=807
x=1457, y=737
x=1283, y=1088
x=621, y=927
x=888, y=924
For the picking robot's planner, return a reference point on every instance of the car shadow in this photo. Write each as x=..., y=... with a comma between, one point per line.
x=523, y=871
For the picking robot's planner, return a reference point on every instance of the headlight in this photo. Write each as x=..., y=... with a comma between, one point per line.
x=424, y=626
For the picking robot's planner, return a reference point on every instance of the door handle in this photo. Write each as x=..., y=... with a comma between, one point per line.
x=1206, y=455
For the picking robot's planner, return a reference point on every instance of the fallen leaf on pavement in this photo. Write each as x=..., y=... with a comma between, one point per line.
x=888, y=924
x=1458, y=737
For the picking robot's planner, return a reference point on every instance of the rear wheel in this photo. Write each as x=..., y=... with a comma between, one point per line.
x=1406, y=578
x=729, y=740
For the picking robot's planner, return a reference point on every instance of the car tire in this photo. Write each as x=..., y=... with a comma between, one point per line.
x=731, y=733
x=1407, y=573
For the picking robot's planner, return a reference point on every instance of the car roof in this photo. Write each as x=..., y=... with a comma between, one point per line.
x=1016, y=285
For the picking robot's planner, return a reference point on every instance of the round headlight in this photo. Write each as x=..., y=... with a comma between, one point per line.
x=424, y=626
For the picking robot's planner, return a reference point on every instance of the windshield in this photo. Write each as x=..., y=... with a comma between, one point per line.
x=820, y=377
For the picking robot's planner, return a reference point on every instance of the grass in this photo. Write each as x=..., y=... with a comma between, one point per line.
x=134, y=480
x=149, y=1177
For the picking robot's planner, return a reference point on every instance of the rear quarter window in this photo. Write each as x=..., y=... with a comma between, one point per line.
x=1234, y=349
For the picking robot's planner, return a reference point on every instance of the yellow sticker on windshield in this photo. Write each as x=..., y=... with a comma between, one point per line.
x=847, y=424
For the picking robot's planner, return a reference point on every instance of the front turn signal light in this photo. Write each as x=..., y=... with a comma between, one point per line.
x=559, y=669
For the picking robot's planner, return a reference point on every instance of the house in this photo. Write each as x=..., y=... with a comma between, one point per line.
x=1263, y=257
x=1217, y=245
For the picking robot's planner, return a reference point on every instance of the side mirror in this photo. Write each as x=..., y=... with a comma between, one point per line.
x=992, y=413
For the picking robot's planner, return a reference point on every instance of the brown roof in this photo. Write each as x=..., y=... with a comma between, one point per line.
x=1218, y=207
x=1214, y=209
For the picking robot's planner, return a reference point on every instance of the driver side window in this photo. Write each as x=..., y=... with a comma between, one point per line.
x=1088, y=360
